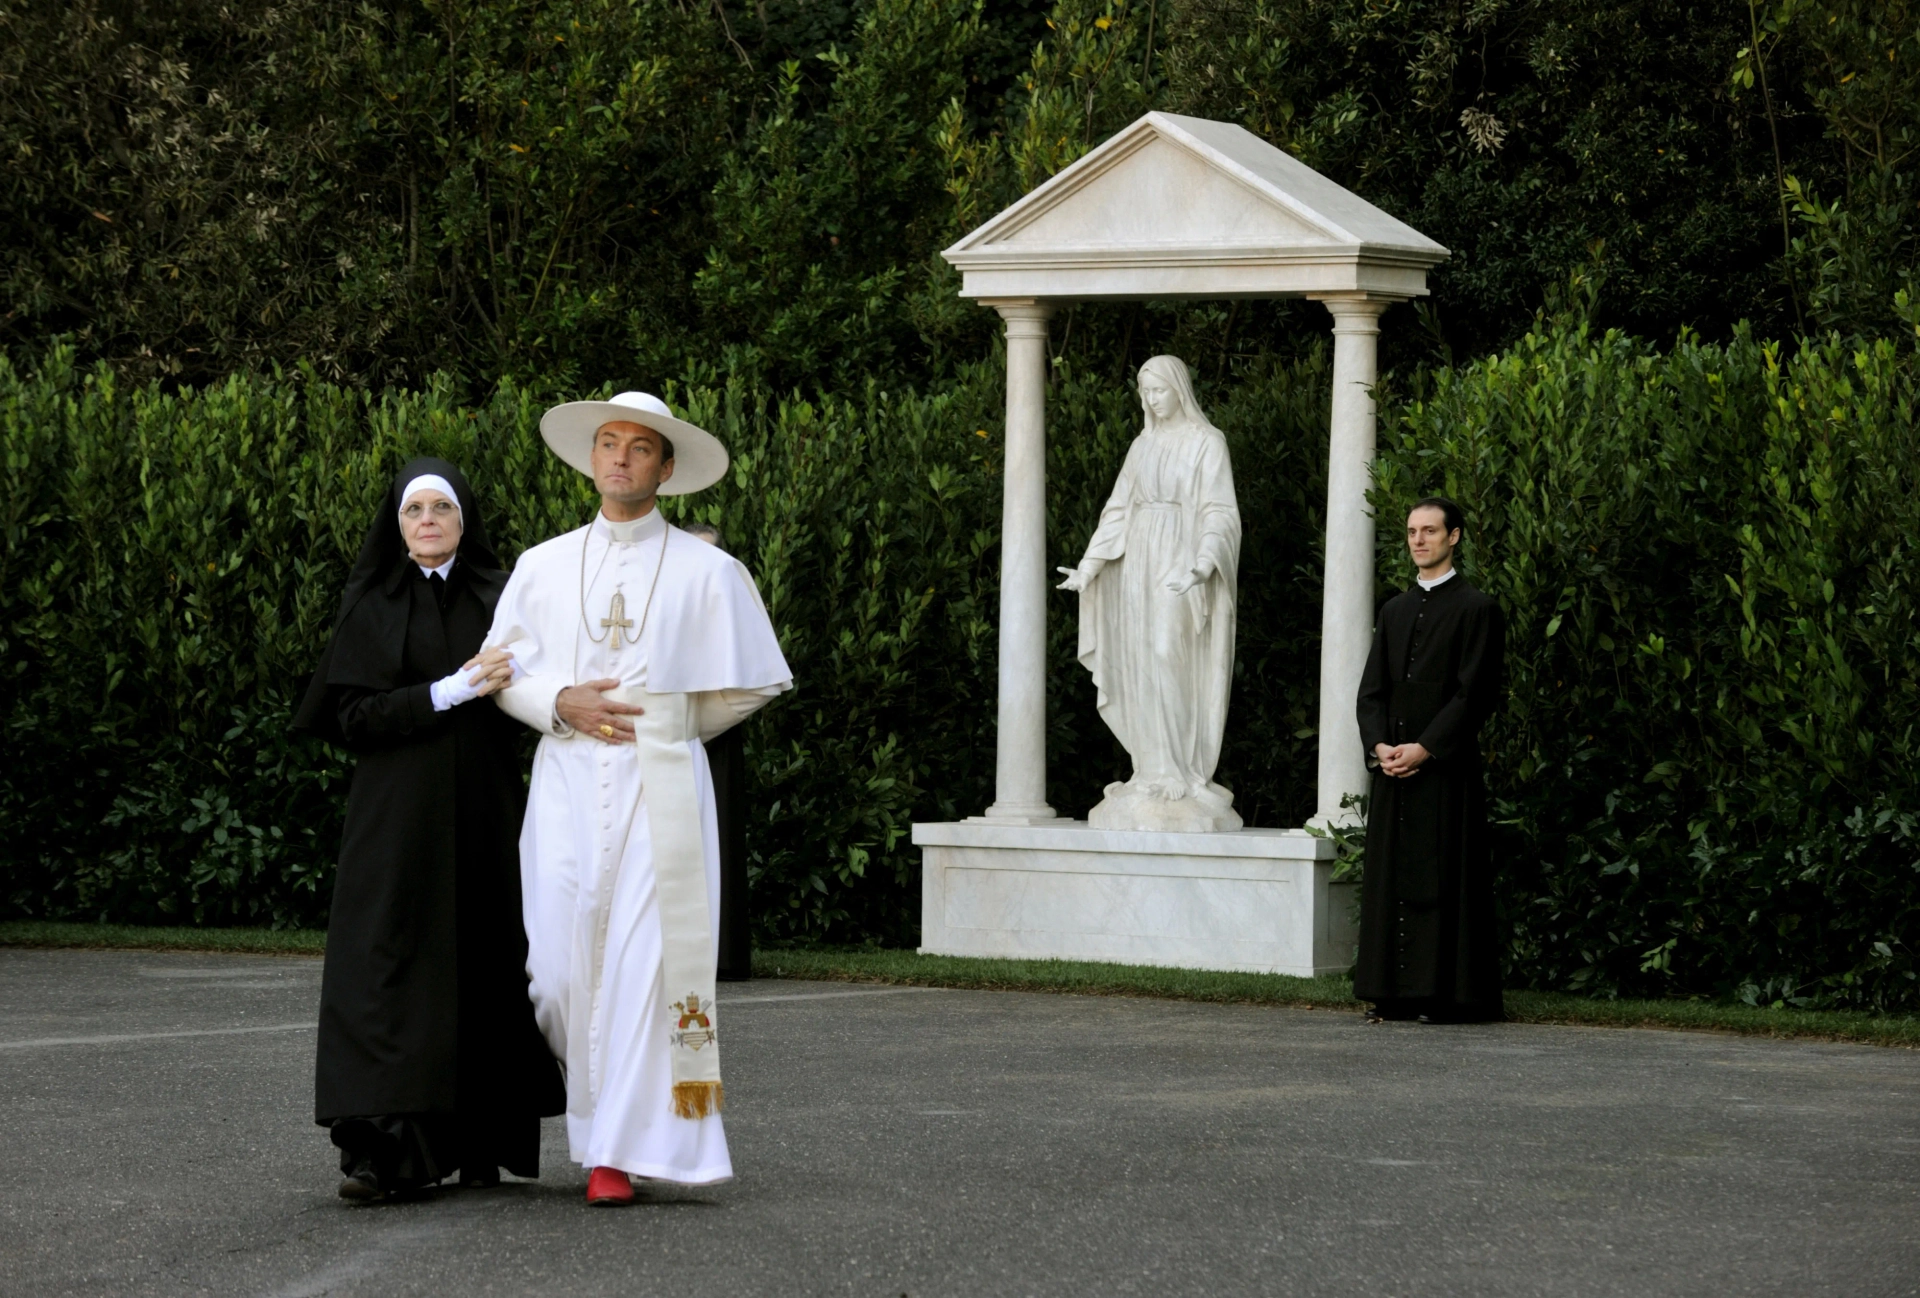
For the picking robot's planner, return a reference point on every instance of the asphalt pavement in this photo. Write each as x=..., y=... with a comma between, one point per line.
x=156, y=1137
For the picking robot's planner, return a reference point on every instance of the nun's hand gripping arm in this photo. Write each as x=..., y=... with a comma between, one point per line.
x=481, y=675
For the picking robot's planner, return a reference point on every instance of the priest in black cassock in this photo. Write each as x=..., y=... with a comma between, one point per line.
x=1429, y=945
x=429, y=1061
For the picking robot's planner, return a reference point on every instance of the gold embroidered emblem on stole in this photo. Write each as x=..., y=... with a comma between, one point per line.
x=695, y=1029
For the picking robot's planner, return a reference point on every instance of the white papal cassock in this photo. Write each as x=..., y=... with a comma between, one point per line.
x=592, y=907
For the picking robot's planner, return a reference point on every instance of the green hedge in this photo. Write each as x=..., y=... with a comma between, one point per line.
x=1704, y=774
x=172, y=561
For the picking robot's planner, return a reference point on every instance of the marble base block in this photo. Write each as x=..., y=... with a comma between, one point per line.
x=1256, y=900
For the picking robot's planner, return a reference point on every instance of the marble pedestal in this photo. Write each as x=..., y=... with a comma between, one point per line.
x=1258, y=900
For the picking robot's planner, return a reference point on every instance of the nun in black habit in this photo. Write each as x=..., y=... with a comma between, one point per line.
x=429, y=1058
x=1429, y=941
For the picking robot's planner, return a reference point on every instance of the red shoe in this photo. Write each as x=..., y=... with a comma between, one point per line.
x=609, y=1187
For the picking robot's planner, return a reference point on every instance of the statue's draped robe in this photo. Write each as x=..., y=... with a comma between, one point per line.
x=1163, y=663
x=425, y=1030
x=586, y=861
x=1428, y=936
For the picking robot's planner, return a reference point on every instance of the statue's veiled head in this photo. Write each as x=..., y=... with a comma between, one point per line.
x=1166, y=394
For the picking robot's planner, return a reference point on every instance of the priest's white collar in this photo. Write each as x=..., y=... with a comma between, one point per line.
x=645, y=527
x=1441, y=580
x=444, y=571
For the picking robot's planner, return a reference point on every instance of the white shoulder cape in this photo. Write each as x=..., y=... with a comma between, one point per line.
x=707, y=628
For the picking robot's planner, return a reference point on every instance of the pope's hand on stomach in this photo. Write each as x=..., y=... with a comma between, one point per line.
x=587, y=708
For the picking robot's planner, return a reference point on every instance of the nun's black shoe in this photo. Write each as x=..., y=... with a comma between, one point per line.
x=362, y=1185
x=479, y=1178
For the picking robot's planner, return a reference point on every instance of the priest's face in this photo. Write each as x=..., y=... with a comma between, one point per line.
x=430, y=525
x=629, y=464
x=1429, y=541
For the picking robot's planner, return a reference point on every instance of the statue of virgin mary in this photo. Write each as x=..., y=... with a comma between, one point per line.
x=1157, y=592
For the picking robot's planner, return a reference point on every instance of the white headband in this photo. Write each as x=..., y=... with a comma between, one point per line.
x=430, y=482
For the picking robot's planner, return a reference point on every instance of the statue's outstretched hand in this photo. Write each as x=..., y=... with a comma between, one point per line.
x=1076, y=579
x=1182, y=584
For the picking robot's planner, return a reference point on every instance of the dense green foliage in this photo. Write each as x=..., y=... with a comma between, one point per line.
x=170, y=561
x=610, y=190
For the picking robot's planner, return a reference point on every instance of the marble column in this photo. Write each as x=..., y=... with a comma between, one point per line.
x=1346, y=618
x=1020, y=778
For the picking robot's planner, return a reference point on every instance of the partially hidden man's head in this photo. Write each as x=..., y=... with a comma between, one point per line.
x=1434, y=526
x=630, y=461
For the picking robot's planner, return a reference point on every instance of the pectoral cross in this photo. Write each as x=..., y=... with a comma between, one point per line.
x=617, y=620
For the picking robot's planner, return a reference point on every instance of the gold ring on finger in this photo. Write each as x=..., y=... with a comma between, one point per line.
x=607, y=731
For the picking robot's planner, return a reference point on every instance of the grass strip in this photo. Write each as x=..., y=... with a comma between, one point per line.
x=1717, y=1016
x=132, y=937
x=1081, y=977
x=1327, y=993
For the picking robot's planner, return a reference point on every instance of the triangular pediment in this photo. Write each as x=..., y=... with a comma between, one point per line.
x=1171, y=192
x=1159, y=194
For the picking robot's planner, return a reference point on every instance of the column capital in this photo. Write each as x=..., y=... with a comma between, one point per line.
x=1356, y=312
x=1026, y=317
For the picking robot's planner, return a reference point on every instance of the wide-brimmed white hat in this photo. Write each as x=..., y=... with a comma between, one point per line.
x=699, y=460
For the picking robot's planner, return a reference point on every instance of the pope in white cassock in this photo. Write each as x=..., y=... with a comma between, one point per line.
x=633, y=643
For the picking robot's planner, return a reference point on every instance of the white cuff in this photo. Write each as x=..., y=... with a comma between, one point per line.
x=450, y=692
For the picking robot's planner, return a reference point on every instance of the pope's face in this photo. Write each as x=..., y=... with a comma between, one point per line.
x=1158, y=398
x=430, y=525
x=628, y=463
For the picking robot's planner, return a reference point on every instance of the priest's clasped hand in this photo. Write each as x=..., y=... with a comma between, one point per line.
x=1400, y=760
x=588, y=710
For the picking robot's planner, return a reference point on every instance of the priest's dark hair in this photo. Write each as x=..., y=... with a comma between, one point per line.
x=1456, y=521
x=369, y=632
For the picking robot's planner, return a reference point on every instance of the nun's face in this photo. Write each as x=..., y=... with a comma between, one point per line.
x=430, y=525
x=1158, y=398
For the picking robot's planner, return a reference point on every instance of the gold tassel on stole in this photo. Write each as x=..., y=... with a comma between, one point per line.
x=698, y=1099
